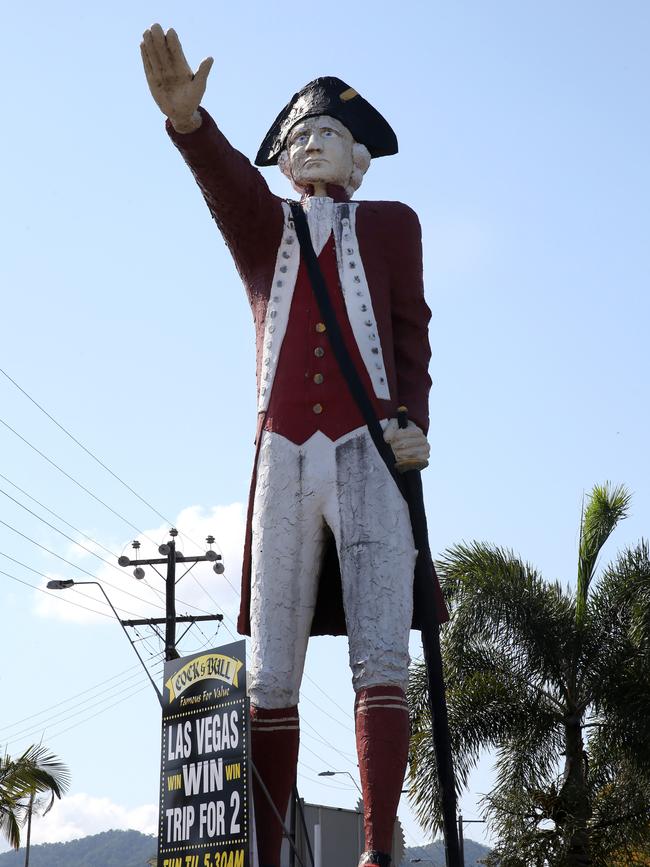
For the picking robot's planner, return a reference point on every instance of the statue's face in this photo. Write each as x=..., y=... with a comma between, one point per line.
x=320, y=151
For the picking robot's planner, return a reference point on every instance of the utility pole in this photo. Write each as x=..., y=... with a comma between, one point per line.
x=461, y=823
x=170, y=602
x=29, y=826
x=170, y=557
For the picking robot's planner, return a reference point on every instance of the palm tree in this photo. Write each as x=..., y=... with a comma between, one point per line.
x=35, y=772
x=557, y=682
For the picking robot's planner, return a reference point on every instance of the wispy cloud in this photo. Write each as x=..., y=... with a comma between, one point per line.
x=81, y=814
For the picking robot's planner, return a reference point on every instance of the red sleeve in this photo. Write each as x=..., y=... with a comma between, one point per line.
x=248, y=214
x=410, y=316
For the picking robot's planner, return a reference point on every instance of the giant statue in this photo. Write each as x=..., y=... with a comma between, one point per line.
x=329, y=545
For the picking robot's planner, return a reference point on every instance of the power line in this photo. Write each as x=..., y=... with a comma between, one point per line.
x=80, y=568
x=82, y=446
x=74, y=589
x=133, y=526
x=338, y=722
x=61, y=533
x=104, y=466
x=326, y=743
x=92, y=455
x=86, y=536
x=328, y=697
x=56, y=596
x=70, y=698
x=58, y=517
x=56, y=734
x=219, y=607
x=64, y=715
x=72, y=479
x=304, y=776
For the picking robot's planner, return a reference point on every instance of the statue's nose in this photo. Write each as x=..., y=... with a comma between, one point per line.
x=313, y=142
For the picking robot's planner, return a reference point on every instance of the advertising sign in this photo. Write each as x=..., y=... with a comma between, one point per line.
x=204, y=802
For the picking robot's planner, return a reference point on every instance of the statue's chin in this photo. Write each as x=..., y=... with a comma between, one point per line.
x=304, y=179
x=304, y=182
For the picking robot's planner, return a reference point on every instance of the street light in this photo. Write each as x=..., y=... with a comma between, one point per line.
x=65, y=585
x=333, y=773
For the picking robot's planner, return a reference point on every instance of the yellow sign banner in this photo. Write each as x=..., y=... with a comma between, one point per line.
x=211, y=666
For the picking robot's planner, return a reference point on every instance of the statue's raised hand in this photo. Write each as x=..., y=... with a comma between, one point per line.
x=176, y=89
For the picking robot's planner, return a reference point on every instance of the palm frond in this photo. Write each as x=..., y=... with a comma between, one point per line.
x=46, y=771
x=559, y=686
x=606, y=507
x=486, y=708
x=497, y=597
x=10, y=827
x=36, y=771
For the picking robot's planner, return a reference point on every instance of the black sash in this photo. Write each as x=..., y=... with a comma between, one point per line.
x=340, y=350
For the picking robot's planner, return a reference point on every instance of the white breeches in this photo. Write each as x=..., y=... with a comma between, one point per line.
x=300, y=492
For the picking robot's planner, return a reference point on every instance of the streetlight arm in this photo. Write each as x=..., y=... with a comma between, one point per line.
x=333, y=773
x=64, y=585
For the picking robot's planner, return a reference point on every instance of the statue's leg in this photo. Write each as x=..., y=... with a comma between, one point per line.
x=382, y=731
x=274, y=749
x=288, y=539
x=377, y=557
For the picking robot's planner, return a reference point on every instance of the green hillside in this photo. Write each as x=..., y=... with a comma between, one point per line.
x=132, y=849
x=434, y=853
x=109, y=849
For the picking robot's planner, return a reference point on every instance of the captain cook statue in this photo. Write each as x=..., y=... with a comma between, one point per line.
x=329, y=546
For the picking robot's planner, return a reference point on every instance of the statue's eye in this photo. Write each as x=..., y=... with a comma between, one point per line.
x=328, y=133
x=300, y=139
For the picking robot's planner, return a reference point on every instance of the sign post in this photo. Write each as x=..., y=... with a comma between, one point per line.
x=204, y=785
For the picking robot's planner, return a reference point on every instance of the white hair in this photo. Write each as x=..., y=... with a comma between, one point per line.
x=360, y=162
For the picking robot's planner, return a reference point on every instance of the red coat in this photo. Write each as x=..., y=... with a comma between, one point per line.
x=253, y=223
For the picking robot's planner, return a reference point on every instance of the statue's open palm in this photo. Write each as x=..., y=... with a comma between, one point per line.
x=176, y=89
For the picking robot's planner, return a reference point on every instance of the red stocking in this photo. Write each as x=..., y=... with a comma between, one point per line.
x=382, y=727
x=274, y=750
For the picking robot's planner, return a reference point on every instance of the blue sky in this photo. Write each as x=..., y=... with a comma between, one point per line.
x=524, y=140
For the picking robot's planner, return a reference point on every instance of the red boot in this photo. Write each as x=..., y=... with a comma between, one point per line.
x=274, y=751
x=382, y=729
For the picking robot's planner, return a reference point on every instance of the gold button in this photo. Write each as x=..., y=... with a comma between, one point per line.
x=319, y=352
x=320, y=327
x=317, y=408
x=318, y=378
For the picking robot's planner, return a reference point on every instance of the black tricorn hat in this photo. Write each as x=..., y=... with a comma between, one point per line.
x=335, y=98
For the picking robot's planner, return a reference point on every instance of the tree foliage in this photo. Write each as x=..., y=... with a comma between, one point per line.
x=35, y=772
x=557, y=683
x=108, y=849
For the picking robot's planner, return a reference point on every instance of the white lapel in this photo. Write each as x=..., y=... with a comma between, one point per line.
x=277, y=313
x=357, y=296
x=323, y=216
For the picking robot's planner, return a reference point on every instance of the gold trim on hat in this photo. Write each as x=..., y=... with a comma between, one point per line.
x=348, y=94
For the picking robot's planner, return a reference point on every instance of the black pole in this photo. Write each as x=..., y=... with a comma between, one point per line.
x=303, y=822
x=170, y=603
x=292, y=828
x=425, y=602
x=29, y=827
x=460, y=838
